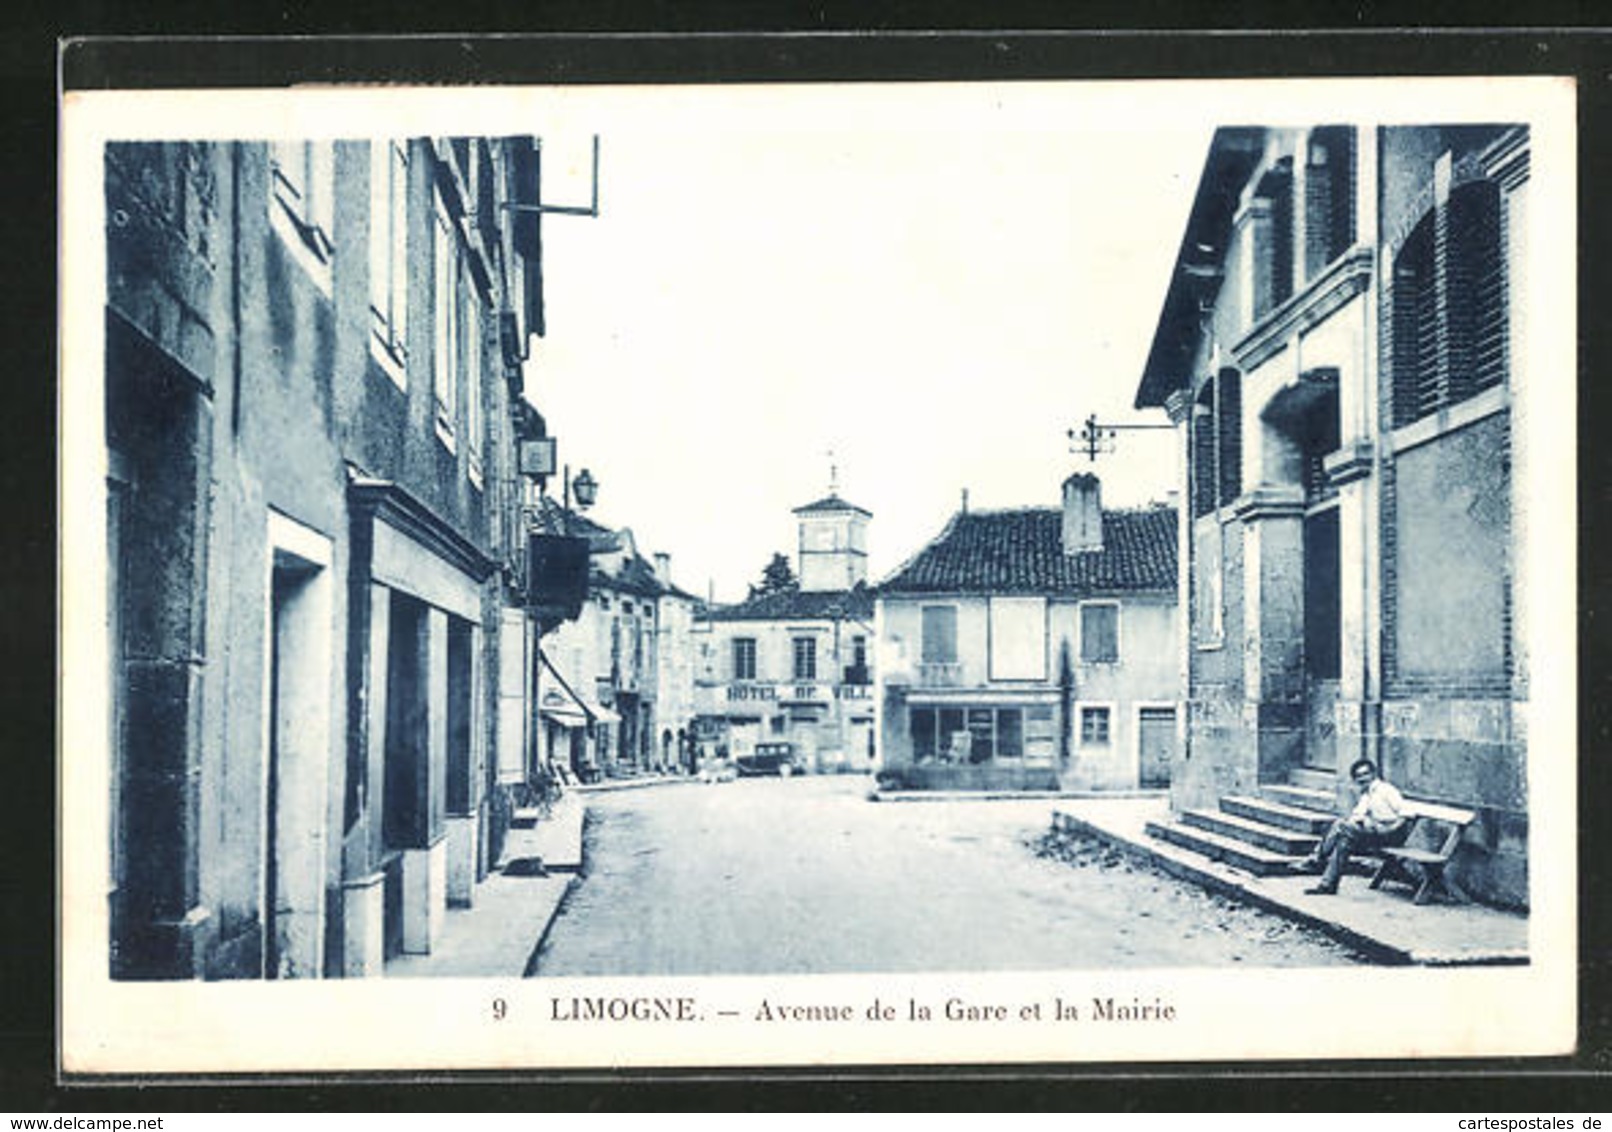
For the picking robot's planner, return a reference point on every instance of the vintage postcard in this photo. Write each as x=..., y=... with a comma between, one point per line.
x=841, y=574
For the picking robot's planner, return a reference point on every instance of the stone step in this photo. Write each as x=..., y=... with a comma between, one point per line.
x=1312, y=778
x=1275, y=813
x=1271, y=837
x=1240, y=854
x=1302, y=798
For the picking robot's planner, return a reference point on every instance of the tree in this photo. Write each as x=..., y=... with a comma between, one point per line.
x=777, y=578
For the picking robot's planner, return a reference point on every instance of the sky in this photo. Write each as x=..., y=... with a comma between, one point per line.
x=903, y=291
x=918, y=289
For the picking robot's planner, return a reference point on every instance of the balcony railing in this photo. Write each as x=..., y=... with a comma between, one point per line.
x=940, y=674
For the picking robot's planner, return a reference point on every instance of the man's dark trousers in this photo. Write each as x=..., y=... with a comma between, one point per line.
x=1345, y=839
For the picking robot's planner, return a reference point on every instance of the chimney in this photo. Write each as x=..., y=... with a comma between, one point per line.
x=1082, y=514
x=663, y=568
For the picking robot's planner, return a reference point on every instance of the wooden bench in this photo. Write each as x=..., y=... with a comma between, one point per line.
x=1424, y=868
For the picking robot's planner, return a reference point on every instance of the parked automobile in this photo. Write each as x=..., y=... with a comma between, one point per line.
x=768, y=758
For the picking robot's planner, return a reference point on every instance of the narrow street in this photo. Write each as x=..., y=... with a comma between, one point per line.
x=804, y=875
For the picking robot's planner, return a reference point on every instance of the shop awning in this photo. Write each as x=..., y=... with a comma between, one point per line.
x=983, y=697
x=603, y=715
x=559, y=704
x=564, y=717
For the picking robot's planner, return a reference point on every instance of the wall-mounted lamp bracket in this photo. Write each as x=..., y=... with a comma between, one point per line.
x=565, y=209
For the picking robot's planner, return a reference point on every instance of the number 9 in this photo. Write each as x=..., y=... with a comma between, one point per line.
x=500, y=1008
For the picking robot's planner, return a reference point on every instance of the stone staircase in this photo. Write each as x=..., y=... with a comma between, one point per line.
x=1261, y=834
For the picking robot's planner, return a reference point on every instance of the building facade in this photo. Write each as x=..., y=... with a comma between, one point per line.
x=1341, y=352
x=1033, y=649
x=312, y=375
x=620, y=698
x=796, y=665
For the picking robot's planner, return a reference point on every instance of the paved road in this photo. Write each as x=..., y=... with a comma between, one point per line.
x=770, y=876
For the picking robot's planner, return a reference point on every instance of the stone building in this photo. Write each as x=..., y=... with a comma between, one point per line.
x=1033, y=649
x=1341, y=349
x=313, y=380
x=620, y=691
x=796, y=665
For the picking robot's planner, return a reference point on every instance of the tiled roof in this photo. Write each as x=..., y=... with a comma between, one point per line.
x=831, y=503
x=635, y=576
x=1021, y=551
x=799, y=605
x=550, y=518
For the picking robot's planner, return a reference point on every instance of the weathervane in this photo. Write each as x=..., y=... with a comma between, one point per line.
x=1098, y=437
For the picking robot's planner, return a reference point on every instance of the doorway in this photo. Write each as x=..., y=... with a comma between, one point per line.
x=1155, y=744
x=297, y=753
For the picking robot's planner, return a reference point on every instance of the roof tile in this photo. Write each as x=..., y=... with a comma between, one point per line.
x=1021, y=551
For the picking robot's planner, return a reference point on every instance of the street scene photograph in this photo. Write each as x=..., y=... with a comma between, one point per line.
x=565, y=540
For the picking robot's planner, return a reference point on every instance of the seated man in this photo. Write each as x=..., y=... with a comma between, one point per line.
x=1378, y=820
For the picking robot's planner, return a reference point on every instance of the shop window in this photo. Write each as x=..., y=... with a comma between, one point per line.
x=1094, y=726
x=1009, y=733
x=974, y=734
x=1099, y=632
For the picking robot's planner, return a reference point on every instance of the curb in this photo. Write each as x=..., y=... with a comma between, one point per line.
x=609, y=785
x=877, y=795
x=571, y=885
x=573, y=882
x=1376, y=949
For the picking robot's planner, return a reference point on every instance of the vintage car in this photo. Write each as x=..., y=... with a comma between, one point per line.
x=768, y=758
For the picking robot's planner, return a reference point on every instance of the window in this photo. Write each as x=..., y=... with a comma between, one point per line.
x=445, y=302
x=744, y=658
x=805, y=658
x=301, y=183
x=472, y=346
x=1329, y=203
x=1229, y=434
x=1272, y=259
x=1217, y=443
x=1099, y=633
x=1094, y=726
x=939, y=634
x=1447, y=307
x=388, y=255
x=975, y=734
